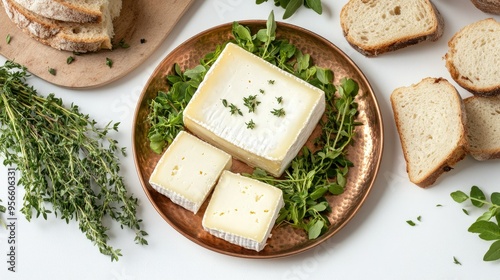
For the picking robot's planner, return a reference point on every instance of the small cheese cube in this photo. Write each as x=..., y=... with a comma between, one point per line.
x=278, y=110
x=242, y=210
x=188, y=171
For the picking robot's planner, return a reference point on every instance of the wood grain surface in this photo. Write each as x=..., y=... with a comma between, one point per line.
x=142, y=24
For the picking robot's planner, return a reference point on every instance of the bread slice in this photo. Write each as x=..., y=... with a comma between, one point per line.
x=62, y=35
x=483, y=127
x=473, y=57
x=83, y=11
x=373, y=27
x=488, y=6
x=430, y=119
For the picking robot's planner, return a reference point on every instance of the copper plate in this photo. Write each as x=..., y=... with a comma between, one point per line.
x=366, y=152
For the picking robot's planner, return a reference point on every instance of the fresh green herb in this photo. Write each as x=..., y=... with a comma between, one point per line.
x=278, y=112
x=261, y=91
x=271, y=82
x=69, y=165
x=291, y=6
x=455, y=261
x=488, y=224
x=439, y=205
x=224, y=103
x=234, y=110
x=8, y=38
x=122, y=44
x=165, y=110
x=419, y=218
x=251, y=102
x=70, y=59
x=250, y=124
x=279, y=99
x=109, y=62
x=465, y=211
x=312, y=174
x=52, y=71
x=77, y=53
x=411, y=223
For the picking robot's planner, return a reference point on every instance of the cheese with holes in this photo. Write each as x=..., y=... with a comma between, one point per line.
x=188, y=170
x=285, y=110
x=242, y=210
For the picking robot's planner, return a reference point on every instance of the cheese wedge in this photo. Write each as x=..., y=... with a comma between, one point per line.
x=242, y=210
x=188, y=171
x=286, y=110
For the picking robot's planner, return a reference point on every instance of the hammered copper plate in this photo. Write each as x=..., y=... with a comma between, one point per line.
x=366, y=152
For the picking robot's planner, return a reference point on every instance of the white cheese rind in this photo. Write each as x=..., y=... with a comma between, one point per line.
x=188, y=171
x=242, y=210
x=274, y=141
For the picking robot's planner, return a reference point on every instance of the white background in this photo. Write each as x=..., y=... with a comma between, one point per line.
x=376, y=244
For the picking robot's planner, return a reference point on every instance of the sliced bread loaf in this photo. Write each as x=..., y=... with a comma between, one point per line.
x=62, y=35
x=82, y=11
x=374, y=27
x=483, y=127
x=430, y=120
x=488, y=6
x=473, y=57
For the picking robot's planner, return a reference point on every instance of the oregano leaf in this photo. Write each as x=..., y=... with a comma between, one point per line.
x=493, y=252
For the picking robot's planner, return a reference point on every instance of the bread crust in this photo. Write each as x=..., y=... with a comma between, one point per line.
x=488, y=6
x=436, y=33
x=462, y=79
x=62, y=10
x=478, y=153
x=456, y=155
x=53, y=33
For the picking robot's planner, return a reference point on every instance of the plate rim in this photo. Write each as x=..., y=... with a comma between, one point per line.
x=353, y=210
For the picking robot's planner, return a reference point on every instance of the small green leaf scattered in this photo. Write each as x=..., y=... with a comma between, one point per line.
x=70, y=59
x=411, y=223
x=487, y=225
x=109, y=62
x=8, y=38
x=52, y=71
x=455, y=261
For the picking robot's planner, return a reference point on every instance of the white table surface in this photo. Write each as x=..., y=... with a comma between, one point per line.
x=376, y=244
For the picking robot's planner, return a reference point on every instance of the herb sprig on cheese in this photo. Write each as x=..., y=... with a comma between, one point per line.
x=313, y=173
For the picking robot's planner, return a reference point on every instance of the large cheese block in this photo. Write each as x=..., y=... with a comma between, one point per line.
x=285, y=110
x=188, y=170
x=242, y=210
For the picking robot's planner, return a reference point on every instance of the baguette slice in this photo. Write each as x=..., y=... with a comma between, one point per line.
x=77, y=37
x=473, y=57
x=488, y=6
x=430, y=119
x=373, y=27
x=483, y=127
x=82, y=11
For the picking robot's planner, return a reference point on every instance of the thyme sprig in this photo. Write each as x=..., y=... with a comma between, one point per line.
x=69, y=166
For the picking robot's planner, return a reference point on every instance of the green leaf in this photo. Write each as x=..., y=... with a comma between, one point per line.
x=324, y=75
x=315, y=5
x=495, y=198
x=292, y=7
x=477, y=197
x=493, y=253
x=459, y=196
x=271, y=27
x=487, y=230
x=315, y=229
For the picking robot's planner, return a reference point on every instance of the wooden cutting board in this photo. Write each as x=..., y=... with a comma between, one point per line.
x=142, y=24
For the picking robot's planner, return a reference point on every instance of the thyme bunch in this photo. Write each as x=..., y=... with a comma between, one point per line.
x=69, y=165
